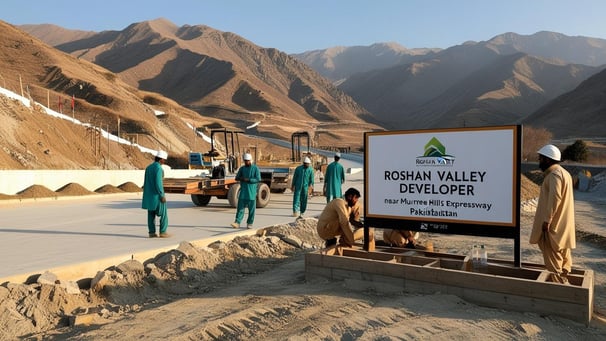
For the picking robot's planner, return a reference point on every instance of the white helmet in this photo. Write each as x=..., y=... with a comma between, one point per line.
x=247, y=157
x=162, y=154
x=307, y=160
x=551, y=152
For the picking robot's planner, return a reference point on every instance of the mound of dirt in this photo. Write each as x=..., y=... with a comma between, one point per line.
x=528, y=189
x=108, y=189
x=37, y=191
x=130, y=187
x=74, y=189
x=535, y=176
x=44, y=309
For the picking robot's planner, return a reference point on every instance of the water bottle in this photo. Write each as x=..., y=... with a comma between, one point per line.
x=475, y=256
x=483, y=256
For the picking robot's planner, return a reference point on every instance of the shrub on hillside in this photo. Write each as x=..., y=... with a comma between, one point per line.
x=577, y=151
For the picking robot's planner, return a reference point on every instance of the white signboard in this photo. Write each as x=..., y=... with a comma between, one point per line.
x=463, y=175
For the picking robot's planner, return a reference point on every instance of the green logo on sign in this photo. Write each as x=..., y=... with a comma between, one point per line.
x=435, y=155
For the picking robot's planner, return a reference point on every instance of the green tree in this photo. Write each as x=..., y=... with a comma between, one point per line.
x=577, y=151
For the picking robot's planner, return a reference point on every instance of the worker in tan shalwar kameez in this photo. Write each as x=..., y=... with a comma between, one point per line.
x=337, y=219
x=553, y=228
x=399, y=238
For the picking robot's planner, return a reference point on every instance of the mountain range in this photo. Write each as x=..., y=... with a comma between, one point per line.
x=203, y=77
x=500, y=81
x=223, y=75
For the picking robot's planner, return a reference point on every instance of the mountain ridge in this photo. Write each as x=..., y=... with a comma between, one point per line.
x=223, y=75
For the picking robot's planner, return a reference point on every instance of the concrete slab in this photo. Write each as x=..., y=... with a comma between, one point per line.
x=93, y=232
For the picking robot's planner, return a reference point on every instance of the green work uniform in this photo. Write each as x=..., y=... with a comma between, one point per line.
x=249, y=177
x=153, y=191
x=302, y=180
x=333, y=179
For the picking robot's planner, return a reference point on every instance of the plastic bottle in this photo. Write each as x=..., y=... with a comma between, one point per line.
x=483, y=256
x=475, y=256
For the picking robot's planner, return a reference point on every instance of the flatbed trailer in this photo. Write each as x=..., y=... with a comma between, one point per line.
x=202, y=189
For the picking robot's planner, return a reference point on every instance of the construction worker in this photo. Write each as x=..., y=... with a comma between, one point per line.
x=219, y=171
x=553, y=228
x=400, y=238
x=334, y=179
x=154, y=198
x=302, y=187
x=337, y=219
x=249, y=176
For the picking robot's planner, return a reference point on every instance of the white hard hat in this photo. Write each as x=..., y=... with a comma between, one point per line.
x=307, y=160
x=247, y=157
x=162, y=154
x=337, y=154
x=551, y=152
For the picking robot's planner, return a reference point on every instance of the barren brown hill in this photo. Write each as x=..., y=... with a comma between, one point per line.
x=55, y=35
x=31, y=139
x=578, y=113
x=338, y=63
x=504, y=92
x=465, y=85
x=223, y=75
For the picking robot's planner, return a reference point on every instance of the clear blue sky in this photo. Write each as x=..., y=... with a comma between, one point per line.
x=295, y=26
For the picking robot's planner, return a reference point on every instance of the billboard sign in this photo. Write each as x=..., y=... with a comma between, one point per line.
x=462, y=176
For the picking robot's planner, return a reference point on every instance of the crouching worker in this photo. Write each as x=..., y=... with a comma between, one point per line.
x=399, y=238
x=336, y=218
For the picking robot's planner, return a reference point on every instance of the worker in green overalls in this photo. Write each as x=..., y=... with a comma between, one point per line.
x=249, y=176
x=302, y=186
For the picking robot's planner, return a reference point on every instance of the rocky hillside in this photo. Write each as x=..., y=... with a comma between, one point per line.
x=338, y=63
x=498, y=81
x=31, y=139
x=578, y=113
x=465, y=85
x=223, y=75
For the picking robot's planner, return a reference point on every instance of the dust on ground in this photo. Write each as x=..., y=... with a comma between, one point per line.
x=254, y=288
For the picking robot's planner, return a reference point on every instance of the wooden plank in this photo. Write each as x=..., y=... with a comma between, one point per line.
x=527, y=292
x=497, y=283
x=434, y=264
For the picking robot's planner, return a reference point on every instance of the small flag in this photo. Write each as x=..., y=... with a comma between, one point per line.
x=73, y=101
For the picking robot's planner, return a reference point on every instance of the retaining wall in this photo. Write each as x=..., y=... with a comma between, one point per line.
x=15, y=181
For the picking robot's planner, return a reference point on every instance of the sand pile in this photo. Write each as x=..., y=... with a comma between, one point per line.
x=130, y=187
x=73, y=189
x=108, y=189
x=37, y=191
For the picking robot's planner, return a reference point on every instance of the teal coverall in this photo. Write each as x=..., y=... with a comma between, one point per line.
x=153, y=191
x=302, y=180
x=249, y=177
x=333, y=179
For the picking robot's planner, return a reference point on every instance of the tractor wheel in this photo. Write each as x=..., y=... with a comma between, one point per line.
x=232, y=195
x=200, y=200
x=263, y=195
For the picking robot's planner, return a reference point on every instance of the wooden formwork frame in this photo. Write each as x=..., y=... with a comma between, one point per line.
x=499, y=284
